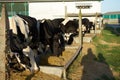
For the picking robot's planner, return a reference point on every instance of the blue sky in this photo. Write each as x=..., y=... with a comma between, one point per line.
x=110, y=5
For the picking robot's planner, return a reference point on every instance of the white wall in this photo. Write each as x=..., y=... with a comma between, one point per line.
x=52, y=10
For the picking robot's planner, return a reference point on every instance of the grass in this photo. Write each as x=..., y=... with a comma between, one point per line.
x=111, y=53
x=109, y=35
x=118, y=30
x=74, y=64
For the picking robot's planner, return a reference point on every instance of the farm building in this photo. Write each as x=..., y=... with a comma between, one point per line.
x=112, y=17
x=51, y=8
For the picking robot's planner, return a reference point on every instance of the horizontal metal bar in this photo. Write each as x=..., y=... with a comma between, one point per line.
x=72, y=58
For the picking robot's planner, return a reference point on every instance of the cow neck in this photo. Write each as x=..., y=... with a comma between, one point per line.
x=38, y=28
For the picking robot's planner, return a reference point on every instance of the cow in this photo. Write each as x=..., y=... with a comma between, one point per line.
x=51, y=36
x=70, y=29
x=23, y=40
x=92, y=25
x=87, y=25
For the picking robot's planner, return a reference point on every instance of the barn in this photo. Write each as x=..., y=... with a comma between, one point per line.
x=112, y=17
x=51, y=8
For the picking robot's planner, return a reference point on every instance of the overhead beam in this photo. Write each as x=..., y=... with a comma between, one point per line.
x=45, y=0
x=84, y=14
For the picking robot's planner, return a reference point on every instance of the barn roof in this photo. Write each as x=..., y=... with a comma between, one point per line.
x=45, y=0
x=115, y=12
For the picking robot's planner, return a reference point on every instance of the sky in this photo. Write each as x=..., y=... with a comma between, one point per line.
x=110, y=5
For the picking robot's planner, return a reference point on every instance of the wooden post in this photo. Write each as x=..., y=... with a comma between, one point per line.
x=65, y=12
x=4, y=23
x=80, y=27
x=96, y=22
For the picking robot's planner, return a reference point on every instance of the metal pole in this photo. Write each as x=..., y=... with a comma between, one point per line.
x=80, y=27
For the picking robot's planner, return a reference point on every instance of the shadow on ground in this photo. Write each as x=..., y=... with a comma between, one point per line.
x=95, y=68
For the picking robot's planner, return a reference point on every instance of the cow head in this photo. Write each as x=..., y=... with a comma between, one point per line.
x=30, y=53
x=69, y=28
x=18, y=61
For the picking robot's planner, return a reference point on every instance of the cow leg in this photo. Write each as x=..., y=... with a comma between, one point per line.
x=62, y=42
x=40, y=48
x=30, y=53
x=57, y=47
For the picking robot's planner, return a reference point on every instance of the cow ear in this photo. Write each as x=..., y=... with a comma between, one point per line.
x=42, y=21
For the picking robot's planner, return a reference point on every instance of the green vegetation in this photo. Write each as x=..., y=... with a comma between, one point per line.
x=118, y=30
x=109, y=35
x=74, y=64
x=110, y=49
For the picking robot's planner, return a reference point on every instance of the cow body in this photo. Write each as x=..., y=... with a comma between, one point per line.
x=50, y=34
x=22, y=40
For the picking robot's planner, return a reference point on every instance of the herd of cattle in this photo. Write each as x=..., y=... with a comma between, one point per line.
x=29, y=38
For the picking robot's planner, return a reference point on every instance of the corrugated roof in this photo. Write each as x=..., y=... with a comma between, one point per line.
x=45, y=0
x=115, y=12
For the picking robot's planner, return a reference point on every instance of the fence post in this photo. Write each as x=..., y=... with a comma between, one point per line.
x=4, y=24
x=80, y=27
x=96, y=17
x=66, y=12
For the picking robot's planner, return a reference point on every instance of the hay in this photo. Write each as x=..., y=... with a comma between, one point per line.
x=51, y=60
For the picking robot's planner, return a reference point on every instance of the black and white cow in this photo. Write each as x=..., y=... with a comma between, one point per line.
x=23, y=39
x=51, y=36
x=88, y=25
x=70, y=29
